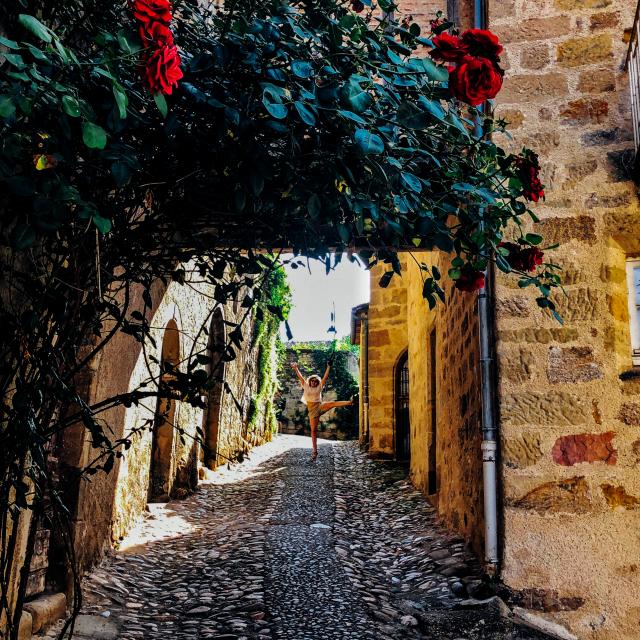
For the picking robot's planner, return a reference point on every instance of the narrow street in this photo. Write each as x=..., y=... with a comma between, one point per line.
x=280, y=547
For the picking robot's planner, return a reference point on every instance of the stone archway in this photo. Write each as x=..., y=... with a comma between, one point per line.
x=161, y=470
x=402, y=420
x=211, y=419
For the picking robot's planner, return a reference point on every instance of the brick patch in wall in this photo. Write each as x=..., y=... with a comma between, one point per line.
x=534, y=29
x=584, y=447
x=559, y=496
x=550, y=408
x=581, y=4
x=533, y=88
x=522, y=451
x=562, y=230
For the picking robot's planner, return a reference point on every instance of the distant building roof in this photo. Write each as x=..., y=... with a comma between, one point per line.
x=357, y=313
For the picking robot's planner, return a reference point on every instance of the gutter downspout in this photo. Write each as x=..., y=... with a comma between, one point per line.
x=487, y=364
x=364, y=328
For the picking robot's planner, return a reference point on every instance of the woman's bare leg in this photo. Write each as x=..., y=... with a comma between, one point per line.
x=314, y=437
x=327, y=406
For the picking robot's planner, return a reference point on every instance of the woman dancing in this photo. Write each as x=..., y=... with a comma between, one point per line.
x=312, y=397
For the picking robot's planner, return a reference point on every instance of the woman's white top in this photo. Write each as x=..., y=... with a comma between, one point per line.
x=311, y=394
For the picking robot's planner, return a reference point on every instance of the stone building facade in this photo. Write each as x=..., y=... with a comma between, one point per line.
x=167, y=454
x=568, y=395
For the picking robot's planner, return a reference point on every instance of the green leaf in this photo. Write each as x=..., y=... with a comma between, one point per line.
x=10, y=44
x=306, y=115
x=121, y=172
x=121, y=100
x=533, y=238
x=15, y=59
x=368, y=142
x=22, y=236
x=35, y=26
x=161, y=103
x=343, y=232
x=358, y=99
x=278, y=111
x=430, y=69
x=37, y=54
x=103, y=224
x=302, y=69
x=71, y=106
x=7, y=108
x=93, y=135
x=314, y=206
x=352, y=116
x=411, y=181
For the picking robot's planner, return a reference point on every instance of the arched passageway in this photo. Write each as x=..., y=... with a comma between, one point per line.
x=403, y=427
x=161, y=472
x=211, y=421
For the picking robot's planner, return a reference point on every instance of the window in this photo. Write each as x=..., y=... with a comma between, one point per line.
x=633, y=283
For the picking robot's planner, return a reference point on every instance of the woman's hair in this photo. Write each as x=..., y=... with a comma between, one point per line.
x=314, y=377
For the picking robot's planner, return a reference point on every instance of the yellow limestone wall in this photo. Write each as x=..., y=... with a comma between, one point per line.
x=387, y=342
x=399, y=318
x=570, y=426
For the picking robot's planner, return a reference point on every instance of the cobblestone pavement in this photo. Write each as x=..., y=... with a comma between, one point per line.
x=282, y=548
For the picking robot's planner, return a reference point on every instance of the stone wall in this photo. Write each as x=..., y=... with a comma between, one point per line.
x=569, y=423
x=456, y=393
x=388, y=341
x=400, y=319
x=108, y=506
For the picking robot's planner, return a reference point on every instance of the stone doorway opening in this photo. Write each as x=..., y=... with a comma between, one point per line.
x=161, y=471
x=211, y=419
x=402, y=419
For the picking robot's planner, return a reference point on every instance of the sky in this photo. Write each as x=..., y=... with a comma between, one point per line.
x=314, y=294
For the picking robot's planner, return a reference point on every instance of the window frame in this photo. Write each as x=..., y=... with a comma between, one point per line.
x=633, y=298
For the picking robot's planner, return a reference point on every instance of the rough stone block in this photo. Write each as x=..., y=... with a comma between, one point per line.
x=580, y=51
x=533, y=88
x=584, y=447
x=521, y=451
x=516, y=367
x=601, y=201
x=379, y=337
x=598, y=81
x=46, y=609
x=601, y=137
x=559, y=496
x=622, y=223
x=630, y=414
x=581, y=4
x=502, y=9
x=539, y=335
x=551, y=629
x=577, y=171
x=535, y=56
x=584, y=304
x=562, y=230
x=604, y=20
x=516, y=307
x=551, y=408
x=572, y=364
x=617, y=496
x=535, y=29
x=585, y=111
x=514, y=117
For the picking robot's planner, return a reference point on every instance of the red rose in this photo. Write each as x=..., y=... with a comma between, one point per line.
x=475, y=80
x=147, y=11
x=163, y=69
x=447, y=47
x=470, y=280
x=521, y=258
x=357, y=6
x=155, y=34
x=482, y=44
x=528, y=170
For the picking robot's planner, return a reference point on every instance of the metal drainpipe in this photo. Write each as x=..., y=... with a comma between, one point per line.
x=489, y=427
x=364, y=317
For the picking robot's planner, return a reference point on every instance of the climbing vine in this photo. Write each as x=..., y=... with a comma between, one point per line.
x=271, y=311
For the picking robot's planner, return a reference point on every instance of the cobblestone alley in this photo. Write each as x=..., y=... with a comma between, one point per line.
x=281, y=547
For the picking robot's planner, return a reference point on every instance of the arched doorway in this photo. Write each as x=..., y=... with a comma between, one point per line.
x=403, y=427
x=161, y=471
x=211, y=420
